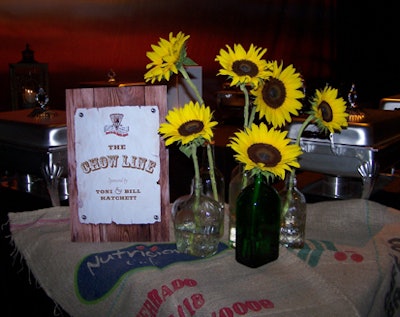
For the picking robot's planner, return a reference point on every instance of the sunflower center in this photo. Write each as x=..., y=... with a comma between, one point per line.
x=274, y=93
x=326, y=111
x=191, y=127
x=264, y=153
x=245, y=67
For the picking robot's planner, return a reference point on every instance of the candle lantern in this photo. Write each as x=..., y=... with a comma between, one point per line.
x=26, y=78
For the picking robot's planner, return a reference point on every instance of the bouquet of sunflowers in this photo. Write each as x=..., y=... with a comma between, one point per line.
x=276, y=91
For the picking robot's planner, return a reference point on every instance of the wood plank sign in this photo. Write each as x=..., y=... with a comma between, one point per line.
x=118, y=164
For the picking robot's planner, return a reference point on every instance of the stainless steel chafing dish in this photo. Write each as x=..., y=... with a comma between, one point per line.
x=352, y=159
x=28, y=142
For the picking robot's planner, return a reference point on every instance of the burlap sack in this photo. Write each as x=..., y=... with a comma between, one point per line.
x=349, y=267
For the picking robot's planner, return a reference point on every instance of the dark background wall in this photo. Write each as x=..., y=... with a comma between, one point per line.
x=366, y=47
x=333, y=41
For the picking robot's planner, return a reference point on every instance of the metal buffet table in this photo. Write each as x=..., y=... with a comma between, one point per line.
x=31, y=143
x=352, y=160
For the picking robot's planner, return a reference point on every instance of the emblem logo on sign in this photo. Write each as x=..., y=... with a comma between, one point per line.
x=116, y=127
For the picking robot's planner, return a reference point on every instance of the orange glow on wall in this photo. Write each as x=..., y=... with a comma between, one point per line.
x=81, y=40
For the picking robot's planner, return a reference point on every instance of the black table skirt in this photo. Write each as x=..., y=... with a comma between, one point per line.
x=21, y=296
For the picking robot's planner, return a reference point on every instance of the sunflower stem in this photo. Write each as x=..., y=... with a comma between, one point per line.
x=186, y=76
x=258, y=178
x=290, y=185
x=210, y=157
x=197, y=184
x=197, y=194
x=246, y=105
x=302, y=128
x=293, y=171
x=252, y=115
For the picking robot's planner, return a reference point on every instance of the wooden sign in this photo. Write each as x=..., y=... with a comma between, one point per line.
x=118, y=164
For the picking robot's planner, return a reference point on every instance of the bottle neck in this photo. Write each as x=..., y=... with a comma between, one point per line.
x=259, y=179
x=194, y=186
x=290, y=180
x=205, y=162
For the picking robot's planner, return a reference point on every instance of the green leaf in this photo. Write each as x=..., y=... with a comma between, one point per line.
x=199, y=141
x=189, y=62
x=186, y=149
x=269, y=176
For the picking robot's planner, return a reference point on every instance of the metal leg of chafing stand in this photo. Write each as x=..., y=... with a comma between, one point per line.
x=52, y=173
x=368, y=171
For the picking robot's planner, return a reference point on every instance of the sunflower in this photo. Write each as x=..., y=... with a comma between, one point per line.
x=329, y=110
x=278, y=98
x=265, y=151
x=166, y=58
x=243, y=67
x=190, y=123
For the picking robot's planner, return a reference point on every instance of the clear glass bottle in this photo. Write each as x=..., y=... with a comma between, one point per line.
x=293, y=218
x=239, y=180
x=258, y=212
x=198, y=224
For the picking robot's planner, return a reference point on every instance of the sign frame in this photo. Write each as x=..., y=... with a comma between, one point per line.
x=141, y=95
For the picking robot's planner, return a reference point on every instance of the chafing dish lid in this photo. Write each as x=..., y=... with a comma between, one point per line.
x=375, y=128
x=18, y=128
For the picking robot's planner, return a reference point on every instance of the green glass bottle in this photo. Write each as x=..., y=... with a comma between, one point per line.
x=238, y=181
x=258, y=211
